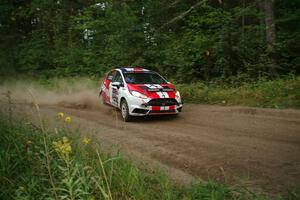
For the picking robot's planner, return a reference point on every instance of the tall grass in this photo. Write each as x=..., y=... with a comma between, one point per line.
x=280, y=93
x=78, y=170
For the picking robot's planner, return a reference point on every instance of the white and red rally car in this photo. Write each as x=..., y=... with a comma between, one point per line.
x=139, y=92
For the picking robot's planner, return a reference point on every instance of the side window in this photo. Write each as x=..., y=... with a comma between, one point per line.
x=111, y=75
x=118, y=77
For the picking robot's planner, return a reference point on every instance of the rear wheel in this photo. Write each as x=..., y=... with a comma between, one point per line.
x=125, y=111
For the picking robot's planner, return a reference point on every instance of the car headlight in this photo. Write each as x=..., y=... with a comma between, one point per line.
x=177, y=95
x=138, y=95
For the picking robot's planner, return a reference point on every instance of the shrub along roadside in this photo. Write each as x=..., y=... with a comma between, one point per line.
x=35, y=164
x=280, y=93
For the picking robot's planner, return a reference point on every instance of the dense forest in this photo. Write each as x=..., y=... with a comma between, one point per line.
x=187, y=40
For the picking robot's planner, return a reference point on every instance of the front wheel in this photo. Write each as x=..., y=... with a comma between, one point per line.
x=125, y=111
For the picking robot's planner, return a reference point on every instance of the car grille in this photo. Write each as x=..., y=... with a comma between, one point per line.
x=162, y=102
x=162, y=111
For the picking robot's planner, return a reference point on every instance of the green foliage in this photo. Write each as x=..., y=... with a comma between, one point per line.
x=41, y=165
x=280, y=93
x=219, y=39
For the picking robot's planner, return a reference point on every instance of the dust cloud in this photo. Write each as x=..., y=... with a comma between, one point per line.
x=73, y=93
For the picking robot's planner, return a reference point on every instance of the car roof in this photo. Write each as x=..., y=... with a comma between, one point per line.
x=133, y=69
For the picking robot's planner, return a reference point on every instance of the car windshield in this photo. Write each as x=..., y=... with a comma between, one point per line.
x=144, y=78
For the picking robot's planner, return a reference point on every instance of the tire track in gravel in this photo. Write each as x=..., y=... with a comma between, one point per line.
x=257, y=148
x=260, y=147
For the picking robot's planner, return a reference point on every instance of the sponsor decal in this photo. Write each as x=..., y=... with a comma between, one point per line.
x=115, y=96
x=162, y=108
x=153, y=89
x=168, y=90
x=159, y=92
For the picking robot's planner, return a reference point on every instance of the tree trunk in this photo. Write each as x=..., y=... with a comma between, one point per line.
x=270, y=36
x=261, y=9
x=269, y=20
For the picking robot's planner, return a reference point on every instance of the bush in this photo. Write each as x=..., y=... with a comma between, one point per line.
x=280, y=93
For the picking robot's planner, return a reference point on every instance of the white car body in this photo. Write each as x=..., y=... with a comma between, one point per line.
x=142, y=98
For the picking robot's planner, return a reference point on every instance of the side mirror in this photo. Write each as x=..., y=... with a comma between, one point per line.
x=116, y=84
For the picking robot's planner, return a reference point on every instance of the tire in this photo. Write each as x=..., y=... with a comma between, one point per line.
x=125, y=111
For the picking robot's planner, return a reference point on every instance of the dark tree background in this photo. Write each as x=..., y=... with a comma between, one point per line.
x=188, y=40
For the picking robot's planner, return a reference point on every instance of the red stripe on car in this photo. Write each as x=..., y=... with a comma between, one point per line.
x=171, y=95
x=172, y=107
x=155, y=107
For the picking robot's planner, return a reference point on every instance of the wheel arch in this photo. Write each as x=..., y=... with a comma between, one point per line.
x=122, y=99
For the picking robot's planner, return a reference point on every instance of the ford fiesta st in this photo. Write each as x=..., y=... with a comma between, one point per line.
x=139, y=92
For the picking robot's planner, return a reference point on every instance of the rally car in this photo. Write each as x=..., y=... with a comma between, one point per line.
x=139, y=92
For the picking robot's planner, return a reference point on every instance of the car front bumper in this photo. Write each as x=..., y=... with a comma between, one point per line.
x=142, y=107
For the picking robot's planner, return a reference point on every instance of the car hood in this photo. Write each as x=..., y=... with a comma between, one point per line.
x=154, y=90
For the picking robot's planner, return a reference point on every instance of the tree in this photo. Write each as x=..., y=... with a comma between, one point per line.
x=270, y=35
x=191, y=40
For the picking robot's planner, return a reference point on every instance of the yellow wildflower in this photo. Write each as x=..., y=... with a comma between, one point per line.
x=68, y=120
x=60, y=115
x=63, y=147
x=86, y=140
x=65, y=139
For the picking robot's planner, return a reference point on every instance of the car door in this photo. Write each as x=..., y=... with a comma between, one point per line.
x=115, y=91
x=106, y=86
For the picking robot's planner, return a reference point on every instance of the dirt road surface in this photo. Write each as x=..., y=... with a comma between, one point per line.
x=259, y=148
